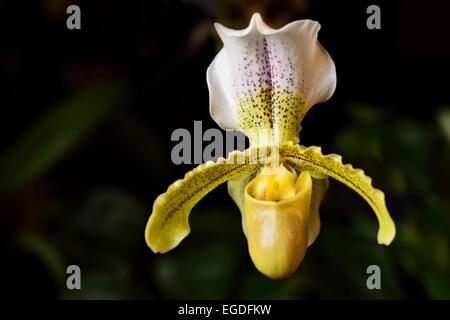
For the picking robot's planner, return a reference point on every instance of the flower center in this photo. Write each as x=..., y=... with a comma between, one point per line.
x=273, y=184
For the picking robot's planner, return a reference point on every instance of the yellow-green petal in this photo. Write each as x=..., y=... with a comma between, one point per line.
x=168, y=223
x=312, y=160
x=319, y=188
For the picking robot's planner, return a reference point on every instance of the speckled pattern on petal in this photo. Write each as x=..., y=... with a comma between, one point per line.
x=267, y=79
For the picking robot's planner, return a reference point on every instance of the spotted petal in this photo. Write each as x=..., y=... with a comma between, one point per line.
x=168, y=223
x=265, y=80
x=312, y=160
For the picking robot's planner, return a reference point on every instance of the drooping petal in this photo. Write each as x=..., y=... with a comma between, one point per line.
x=314, y=161
x=168, y=223
x=267, y=79
x=277, y=231
x=319, y=188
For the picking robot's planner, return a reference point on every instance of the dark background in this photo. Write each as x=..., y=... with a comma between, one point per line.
x=85, y=126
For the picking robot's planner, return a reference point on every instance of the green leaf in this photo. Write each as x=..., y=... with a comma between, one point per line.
x=49, y=139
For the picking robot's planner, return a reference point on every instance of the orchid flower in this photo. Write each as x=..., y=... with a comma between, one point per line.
x=262, y=82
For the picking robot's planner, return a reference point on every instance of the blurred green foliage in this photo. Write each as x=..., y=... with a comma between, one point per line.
x=57, y=132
